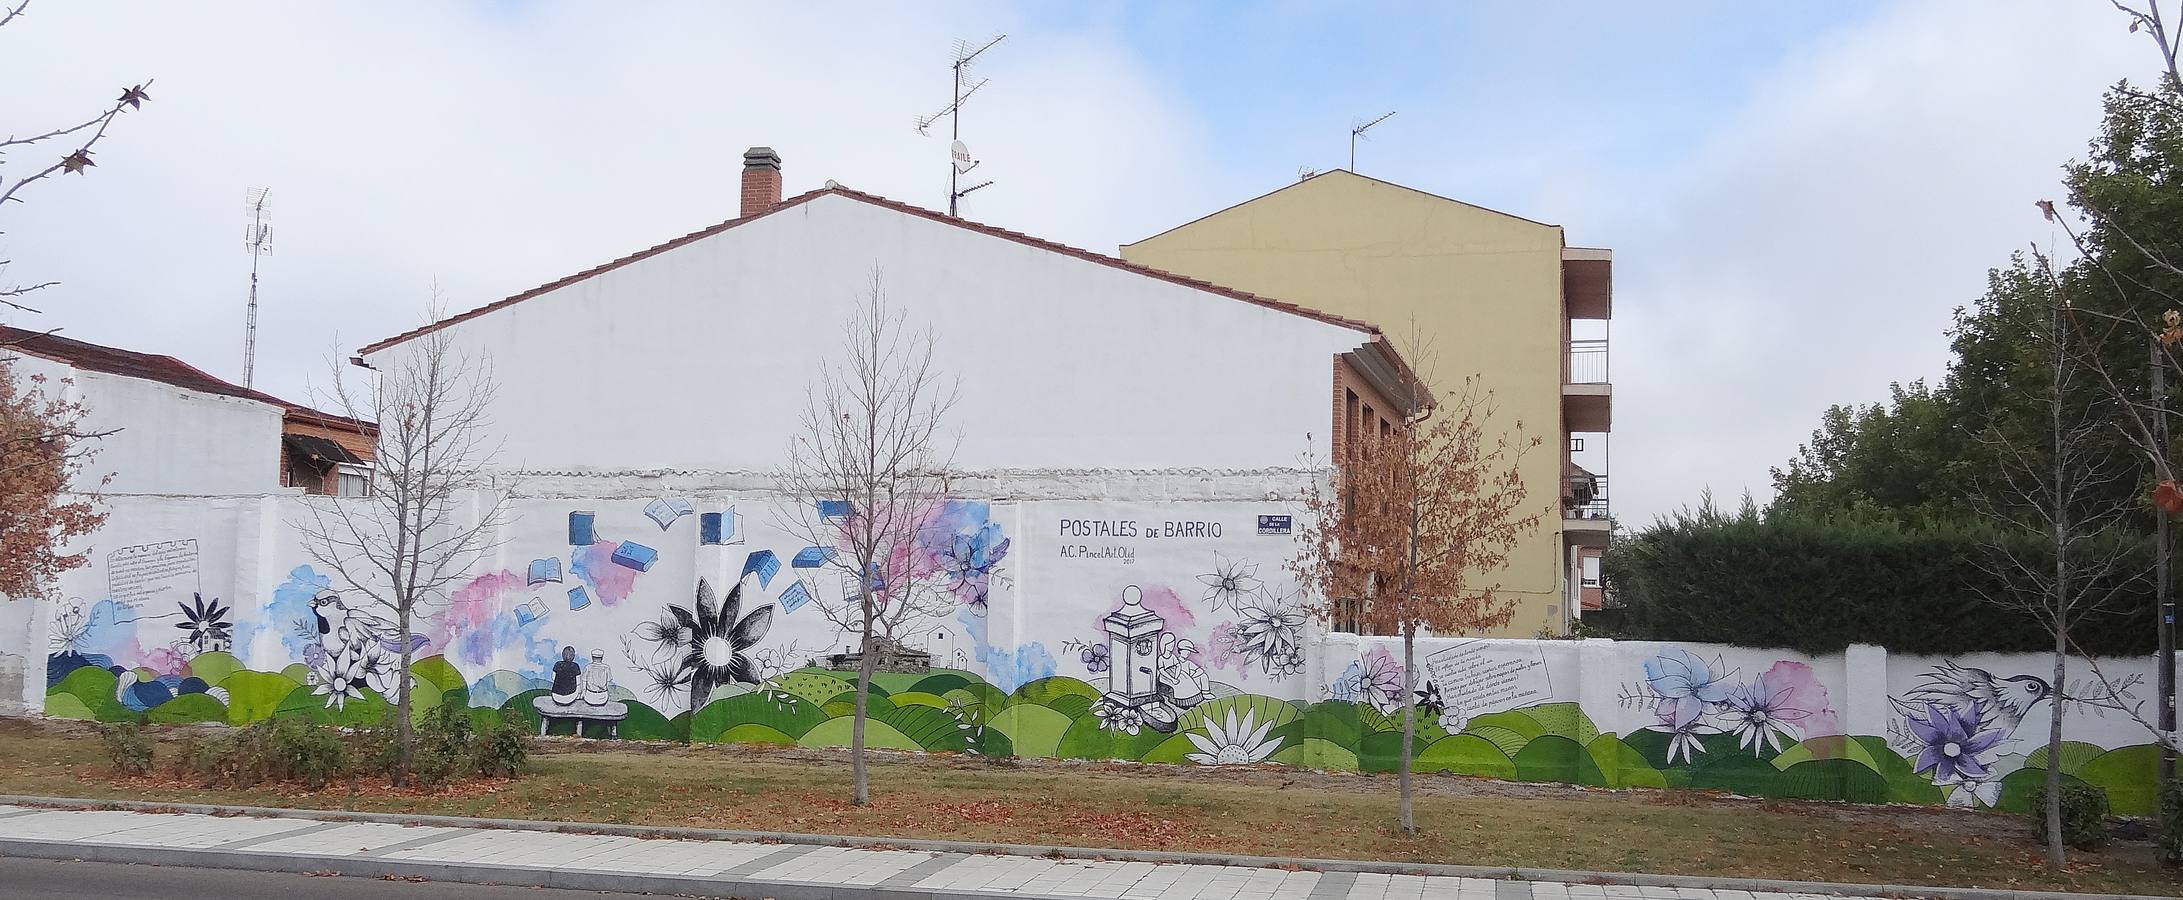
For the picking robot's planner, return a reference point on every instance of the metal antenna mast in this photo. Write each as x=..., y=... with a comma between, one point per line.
x=258, y=239
x=1357, y=131
x=959, y=162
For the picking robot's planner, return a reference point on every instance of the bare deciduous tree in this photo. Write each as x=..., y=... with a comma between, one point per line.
x=430, y=514
x=2057, y=488
x=866, y=472
x=78, y=140
x=1415, y=524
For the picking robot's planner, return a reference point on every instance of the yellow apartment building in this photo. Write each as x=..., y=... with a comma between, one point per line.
x=1485, y=293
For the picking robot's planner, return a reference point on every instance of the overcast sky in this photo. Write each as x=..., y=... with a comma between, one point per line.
x=1797, y=197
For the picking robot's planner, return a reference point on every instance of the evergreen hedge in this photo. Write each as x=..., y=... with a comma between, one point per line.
x=1819, y=586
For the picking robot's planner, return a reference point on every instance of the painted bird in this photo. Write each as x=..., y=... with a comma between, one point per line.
x=355, y=650
x=2002, y=702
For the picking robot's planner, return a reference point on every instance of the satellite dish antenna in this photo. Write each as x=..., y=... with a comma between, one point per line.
x=960, y=152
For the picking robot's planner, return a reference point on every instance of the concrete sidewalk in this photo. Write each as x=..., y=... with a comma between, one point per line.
x=635, y=860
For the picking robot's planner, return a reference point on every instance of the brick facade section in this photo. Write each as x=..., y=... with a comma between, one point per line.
x=356, y=437
x=1348, y=382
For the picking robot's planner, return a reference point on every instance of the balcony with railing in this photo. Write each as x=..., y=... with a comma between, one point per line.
x=1586, y=520
x=1587, y=396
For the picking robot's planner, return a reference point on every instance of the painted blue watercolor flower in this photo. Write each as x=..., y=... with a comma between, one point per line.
x=971, y=560
x=1685, y=686
x=1096, y=658
x=1952, y=742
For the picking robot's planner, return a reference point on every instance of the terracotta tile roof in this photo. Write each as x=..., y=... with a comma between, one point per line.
x=115, y=361
x=897, y=206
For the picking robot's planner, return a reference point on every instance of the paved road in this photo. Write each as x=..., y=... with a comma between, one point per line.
x=455, y=853
x=62, y=880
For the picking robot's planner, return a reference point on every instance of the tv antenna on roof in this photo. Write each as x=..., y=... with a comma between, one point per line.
x=258, y=239
x=1357, y=131
x=959, y=161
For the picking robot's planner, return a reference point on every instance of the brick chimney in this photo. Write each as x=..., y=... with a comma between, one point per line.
x=761, y=180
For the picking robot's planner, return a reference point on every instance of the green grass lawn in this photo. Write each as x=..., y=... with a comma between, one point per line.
x=1277, y=812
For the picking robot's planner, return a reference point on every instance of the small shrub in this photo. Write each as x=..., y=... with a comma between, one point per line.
x=2084, y=815
x=500, y=751
x=443, y=746
x=447, y=743
x=128, y=747
x=271, y=750
x=2170, y=835
x=307, y=753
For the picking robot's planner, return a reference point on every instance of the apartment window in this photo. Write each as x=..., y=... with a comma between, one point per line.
x=352, y=481
x=1349, y=423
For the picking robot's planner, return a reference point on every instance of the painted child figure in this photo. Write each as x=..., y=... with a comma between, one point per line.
x=1183, y=683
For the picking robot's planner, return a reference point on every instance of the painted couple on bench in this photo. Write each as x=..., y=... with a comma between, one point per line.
x=581, y=694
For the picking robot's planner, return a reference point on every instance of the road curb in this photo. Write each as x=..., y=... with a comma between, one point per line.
x=527, y=876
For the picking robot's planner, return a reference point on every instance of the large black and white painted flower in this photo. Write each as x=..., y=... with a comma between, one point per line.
x=1232, y=742
x=703, y=646
x=205, y=624
x=1230, y=583
x=1272, y=632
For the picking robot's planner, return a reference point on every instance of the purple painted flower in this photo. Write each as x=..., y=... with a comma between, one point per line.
x=1382, y=680
x=1952, y=742
x=1763, y=714
x=1685, y=686
x=1096, y=658
x=971, y=558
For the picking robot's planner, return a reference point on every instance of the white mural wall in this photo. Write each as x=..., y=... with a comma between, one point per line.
x=1154, y=630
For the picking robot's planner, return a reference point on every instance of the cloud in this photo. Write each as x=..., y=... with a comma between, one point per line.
x=1810, y=248
x=492, y=148
x=1796, y=204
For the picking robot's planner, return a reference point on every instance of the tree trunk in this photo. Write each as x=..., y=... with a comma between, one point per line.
x=2053, y=811
x=2059, y=600
x=1409, y=722
x=405, y=734
x=866, y=658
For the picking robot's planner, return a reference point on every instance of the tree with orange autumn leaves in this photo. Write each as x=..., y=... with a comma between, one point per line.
x=43, y=447
x=1412, y=529
x=42, y=451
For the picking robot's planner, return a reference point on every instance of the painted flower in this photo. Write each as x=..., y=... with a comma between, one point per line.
x=72, y=631
x=1118, y=717
x=206, y=624
x=1453, y=719
x=1229, y=582
x=971, y=560
x=1762, y=715
x=1687, y=742
x=1382, y=683
x=1238, y=743
x=1685, y=685
x=1952, y=742
x=1428, y=699
x=1274, y=635
x=1972, y=794
x=707, y=646
x=1096, y=657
